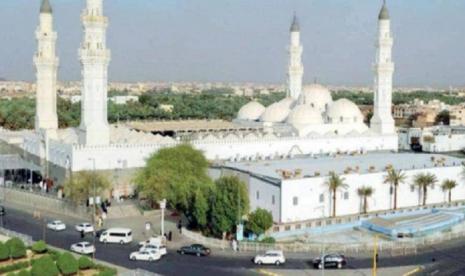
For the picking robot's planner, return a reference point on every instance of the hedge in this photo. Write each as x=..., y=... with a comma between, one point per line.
x=85, y=263
x=13, y=267
x=24, y=272
x=4, y=252
x=54, y=254
x=17, y=248
x=67, y=264
x=44, y=266
x=39, y=247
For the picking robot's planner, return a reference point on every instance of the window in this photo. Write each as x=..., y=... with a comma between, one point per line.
x=322, y=198
x=346, y=195
x=341, y=119
x=272, y=200
x=258, y=194
x=391, y=190
x=295, y=200
x=412, y=188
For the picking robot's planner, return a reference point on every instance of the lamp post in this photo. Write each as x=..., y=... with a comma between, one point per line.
x=94, y=201
x=162, y=207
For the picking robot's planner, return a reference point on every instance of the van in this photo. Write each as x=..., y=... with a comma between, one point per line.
x=116, y=235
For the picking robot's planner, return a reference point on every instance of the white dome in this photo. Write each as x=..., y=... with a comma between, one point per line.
x=288, y=102
x=317, y=96
x=344, y=111
x=251, y=111
x=303, y=115
x=275, y=113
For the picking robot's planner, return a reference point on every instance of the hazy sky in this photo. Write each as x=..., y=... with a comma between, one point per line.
x=246, y=40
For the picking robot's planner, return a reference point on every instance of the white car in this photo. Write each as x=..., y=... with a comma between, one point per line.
x=153, y=240
x=86, y=227
x=155, y=247
x=56, y=225
x=145, y=255
x=275, y=257
x=83, y=248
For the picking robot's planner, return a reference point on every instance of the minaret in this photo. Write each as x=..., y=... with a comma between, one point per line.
x=296, y=68
x=95, y=57
x=46, y=63
x=382, y=121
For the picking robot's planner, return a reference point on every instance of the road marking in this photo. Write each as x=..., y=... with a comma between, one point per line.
x=418, y=269
x=269, y=273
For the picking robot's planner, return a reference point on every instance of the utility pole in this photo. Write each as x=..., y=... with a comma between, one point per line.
x=94, y=201
x=375, y=256
x=162, y=207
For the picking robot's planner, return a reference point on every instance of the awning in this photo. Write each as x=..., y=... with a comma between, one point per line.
x=15, y=162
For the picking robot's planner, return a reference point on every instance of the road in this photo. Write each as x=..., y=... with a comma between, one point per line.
x=450, y=258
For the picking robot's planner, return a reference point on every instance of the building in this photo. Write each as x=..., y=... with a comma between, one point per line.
x=457, y=115
x=433, y=139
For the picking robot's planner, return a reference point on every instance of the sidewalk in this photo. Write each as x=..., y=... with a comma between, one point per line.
x=398, y=271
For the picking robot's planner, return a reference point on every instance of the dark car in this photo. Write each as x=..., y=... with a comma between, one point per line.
x=330, y=261
x=2, y=211
x=195, y=249
x=98, y=233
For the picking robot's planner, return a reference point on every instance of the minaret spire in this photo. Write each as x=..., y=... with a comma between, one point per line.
x=46, y=64
x=296, y=68
x=95, y=57
x=382, y=121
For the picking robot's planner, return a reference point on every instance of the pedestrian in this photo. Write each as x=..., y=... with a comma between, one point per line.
x=234, y=245
x=170, y=235
x=82, y=234
x=180, y=226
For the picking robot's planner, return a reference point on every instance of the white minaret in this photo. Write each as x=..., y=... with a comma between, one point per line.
x=296, y=68
x=382, y=121
x=46, y=63
x=95, y=57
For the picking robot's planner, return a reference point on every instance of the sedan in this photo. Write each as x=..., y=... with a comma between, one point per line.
x=83, y=248
x=275, y=257
x=56, y=225
x=145, y=255
x=154, y=247
x=86, y=227
x=330, y=261
x=195, y=249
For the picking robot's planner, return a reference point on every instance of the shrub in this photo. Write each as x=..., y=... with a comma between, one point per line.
x=54, y=254
x=13, y=267
x=39, y=247
x=259, y=221
x=44, y=266
x=85, y=263
x=17, y=248
x=4, y=252
x=268, y=240
x=67, y=264
x=107, y=272
x=24, y=272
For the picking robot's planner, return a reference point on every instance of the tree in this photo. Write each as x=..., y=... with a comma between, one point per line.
x=365, y=192
x=16, y=247
x=395, y=178
x=44, y=266
x=81, y=186
x=67, y=264
x=443, y=118
x=201, y=208
x=334, y=183
x=229, y=203
x=424, y=181
x=259, y=221
x=177, y=174
x=448, y=185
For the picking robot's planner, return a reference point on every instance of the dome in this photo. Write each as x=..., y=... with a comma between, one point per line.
x=303, y=115
x=344, y=111
x=251, y=111
x=275, y=113
x=317, y=96
x=287, y=102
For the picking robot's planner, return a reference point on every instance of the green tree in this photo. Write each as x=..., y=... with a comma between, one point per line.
x=259, y=221
x=201, y=208
x=177, y=174
x=67, y=264
x=16, y=247
x=4, y=252
x=448, y=185
x=44, y=266
x=365, y=192
x=443, y=118
x=81, y=186
x=335, y=183
x=229, y=203
x=423, y=181
x=395, y=178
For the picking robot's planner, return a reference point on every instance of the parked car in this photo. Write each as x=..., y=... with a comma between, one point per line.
x=145, y=255
x=2, y=211
x=56, y=225
x=158, y=240
x=275, y=257
x=83, y=248
x=154, y=247
x=195, y=249
x=330, y=261
x=116, y=235
x=86, y=227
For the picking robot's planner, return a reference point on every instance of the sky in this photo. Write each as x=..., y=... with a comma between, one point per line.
x=246, y=40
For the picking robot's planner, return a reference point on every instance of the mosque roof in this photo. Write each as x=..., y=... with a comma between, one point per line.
x=45, y=7
x=384, y=13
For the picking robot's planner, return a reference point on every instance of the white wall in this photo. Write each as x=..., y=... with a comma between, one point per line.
x=266, y=192
x=444, y=143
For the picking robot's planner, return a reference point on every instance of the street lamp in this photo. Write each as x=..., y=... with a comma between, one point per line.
x=94, y=201
x=162, y=207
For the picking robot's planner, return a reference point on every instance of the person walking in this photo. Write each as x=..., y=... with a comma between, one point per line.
x=180, y=226
x=82, y=234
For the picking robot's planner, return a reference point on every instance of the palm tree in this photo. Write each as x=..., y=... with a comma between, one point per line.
x=395, y=178
x=423, y=181
x=334, y=183
x=365, y=192
x=448, y=185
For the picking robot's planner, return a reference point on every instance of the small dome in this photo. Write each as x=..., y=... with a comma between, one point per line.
x=303, y=115
x=251, y=111
x=288, y=102
x=45, y=7
x=317, y=96
x=275, y=113
x=295, y=26
x=344, y=111
x=384, y=13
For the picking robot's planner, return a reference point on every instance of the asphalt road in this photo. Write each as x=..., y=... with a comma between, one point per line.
x=449, y=258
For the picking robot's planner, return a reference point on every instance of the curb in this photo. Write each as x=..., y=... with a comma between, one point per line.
x=414, y=271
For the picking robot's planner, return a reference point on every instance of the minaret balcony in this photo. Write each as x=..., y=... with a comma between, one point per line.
x=94, y=19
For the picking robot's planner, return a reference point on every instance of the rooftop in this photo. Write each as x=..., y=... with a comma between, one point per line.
x=342, y=164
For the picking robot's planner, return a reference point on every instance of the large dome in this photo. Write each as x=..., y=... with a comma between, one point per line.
x=317, y=96
x=287, y=102
x=275, y=113
x=251, y=111
x=344, y=111
x=303, y=115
